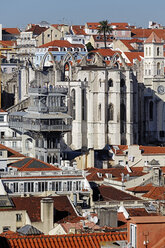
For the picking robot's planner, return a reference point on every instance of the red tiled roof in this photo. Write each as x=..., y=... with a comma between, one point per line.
x=152, y=150
x=79, y=225
x=1, y=110
x=157, y=193
x=36, y=29
x=11, y=152
x=10, y=31
x=141, y=189
x=139, y=212
x=86, y=240
x=136, y=41
x=119, y=24
x=121, y=217
x=62, y=205
x=122, y=28
x=110, y=193
x=57, y=26
x=93, y=25
x=61, y=43
x=78, y=30
x=10, y=233
x=145, y=33
x=159, y=243
x=33, y=164
x=120, y=149
x=100, y=38
x=134, y=55
x=127, y=44
x=115, y=172
x=105, y=52
x=153, y=38
x=7, y=43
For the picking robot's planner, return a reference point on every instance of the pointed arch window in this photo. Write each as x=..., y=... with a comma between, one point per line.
x=151, y=108
x=158, y=68
x=149, y=51
x=73, y=97
x=110, y=112
x=99, y=112
x=122, y=112
x=158, y=51
x=110, y=83
x=122, y=82
x=83, y=104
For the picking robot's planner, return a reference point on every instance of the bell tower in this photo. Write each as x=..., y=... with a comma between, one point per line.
x=153, y=59
x=154, y=91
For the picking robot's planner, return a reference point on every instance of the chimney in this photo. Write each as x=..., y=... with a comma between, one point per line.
x=47, y=214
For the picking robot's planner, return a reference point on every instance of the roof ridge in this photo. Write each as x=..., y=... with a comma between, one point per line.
x=26, y=165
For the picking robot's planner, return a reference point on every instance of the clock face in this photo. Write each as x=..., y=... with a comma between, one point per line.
x=161, y=89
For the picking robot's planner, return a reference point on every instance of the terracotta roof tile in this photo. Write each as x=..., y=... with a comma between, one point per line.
x=156, y=193
x=33, y=164
x=139, y=212
x=141, y=189
x=110, y=193
x=1, y=110
x=127, y=44
x=153, y=38
x=61, y=43
x=105, y=52
x=119, y=24
x=136, y=41
x=62, y=205
x=7, y=43
x=93, y=25
x=10, y=31
x=80, y=226
x=37, y=30
x=78, y=30
x=145, y=33
x=134, y=55
x=119, y=149
x=152, y=150
x=99, y=174
x=11, y=152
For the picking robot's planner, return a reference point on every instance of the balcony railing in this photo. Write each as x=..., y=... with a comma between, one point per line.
x=73, y=173
x=46, y=90
x=41, y=127
x=63, y=109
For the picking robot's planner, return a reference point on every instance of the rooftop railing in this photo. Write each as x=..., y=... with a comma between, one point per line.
x=41, y=173
x=46, y=90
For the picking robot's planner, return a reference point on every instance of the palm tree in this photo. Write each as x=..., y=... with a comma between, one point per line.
x=104, y=28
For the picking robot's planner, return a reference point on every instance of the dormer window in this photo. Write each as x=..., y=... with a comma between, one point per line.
x=99, y=174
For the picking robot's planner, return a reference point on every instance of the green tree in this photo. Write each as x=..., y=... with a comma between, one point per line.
x=89, y=46
x=105, y=29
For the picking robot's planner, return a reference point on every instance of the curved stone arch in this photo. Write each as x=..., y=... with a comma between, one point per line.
x=44, y=58
x=69, y=55
x=97, y=59
x=66, y=58
x=113, y=60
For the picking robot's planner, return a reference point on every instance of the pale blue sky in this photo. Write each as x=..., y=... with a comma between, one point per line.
x=18, y=13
